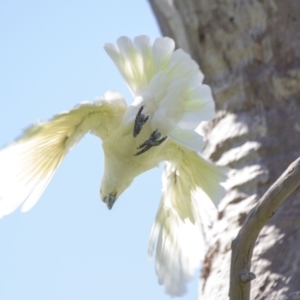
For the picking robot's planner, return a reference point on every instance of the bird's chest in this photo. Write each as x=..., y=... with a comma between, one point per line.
x=120, y=153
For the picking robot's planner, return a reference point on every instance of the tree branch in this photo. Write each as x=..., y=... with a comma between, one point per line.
x=243, y=244
x=294, y=296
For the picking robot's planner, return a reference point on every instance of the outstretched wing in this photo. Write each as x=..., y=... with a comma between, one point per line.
x=191, y=188
x=28, y=164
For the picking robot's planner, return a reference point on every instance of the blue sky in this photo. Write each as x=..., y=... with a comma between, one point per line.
x=69, y=246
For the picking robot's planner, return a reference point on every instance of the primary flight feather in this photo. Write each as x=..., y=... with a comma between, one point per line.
x=169, y=103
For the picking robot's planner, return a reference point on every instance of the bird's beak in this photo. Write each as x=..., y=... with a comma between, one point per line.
x=110, y=200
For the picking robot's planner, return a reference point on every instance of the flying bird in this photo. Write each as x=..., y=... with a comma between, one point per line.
x=161, y=124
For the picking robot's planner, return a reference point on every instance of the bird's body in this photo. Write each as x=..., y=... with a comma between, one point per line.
x=121, y=165
x=160, y=125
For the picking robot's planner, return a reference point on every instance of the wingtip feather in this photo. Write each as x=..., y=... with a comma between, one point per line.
x=26, y=171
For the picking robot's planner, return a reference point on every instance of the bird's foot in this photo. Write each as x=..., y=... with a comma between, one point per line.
x=140, y=120
x=154, y=140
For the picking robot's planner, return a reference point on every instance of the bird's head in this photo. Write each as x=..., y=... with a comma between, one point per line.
x=110, y=190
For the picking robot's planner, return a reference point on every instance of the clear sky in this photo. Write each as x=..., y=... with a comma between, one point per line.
x=70, y=246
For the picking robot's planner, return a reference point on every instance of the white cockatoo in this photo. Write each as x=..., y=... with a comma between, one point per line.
x=169, y=102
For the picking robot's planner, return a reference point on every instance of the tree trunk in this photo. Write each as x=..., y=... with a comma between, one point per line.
x=249, y=52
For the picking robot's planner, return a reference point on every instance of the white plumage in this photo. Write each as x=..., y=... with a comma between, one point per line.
x=166, y=85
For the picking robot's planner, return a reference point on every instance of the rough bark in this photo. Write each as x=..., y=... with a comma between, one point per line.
x=249, y=52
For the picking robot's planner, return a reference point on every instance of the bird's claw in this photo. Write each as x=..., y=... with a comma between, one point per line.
x=154, y=139
x=140, y=120
x=151, y=142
